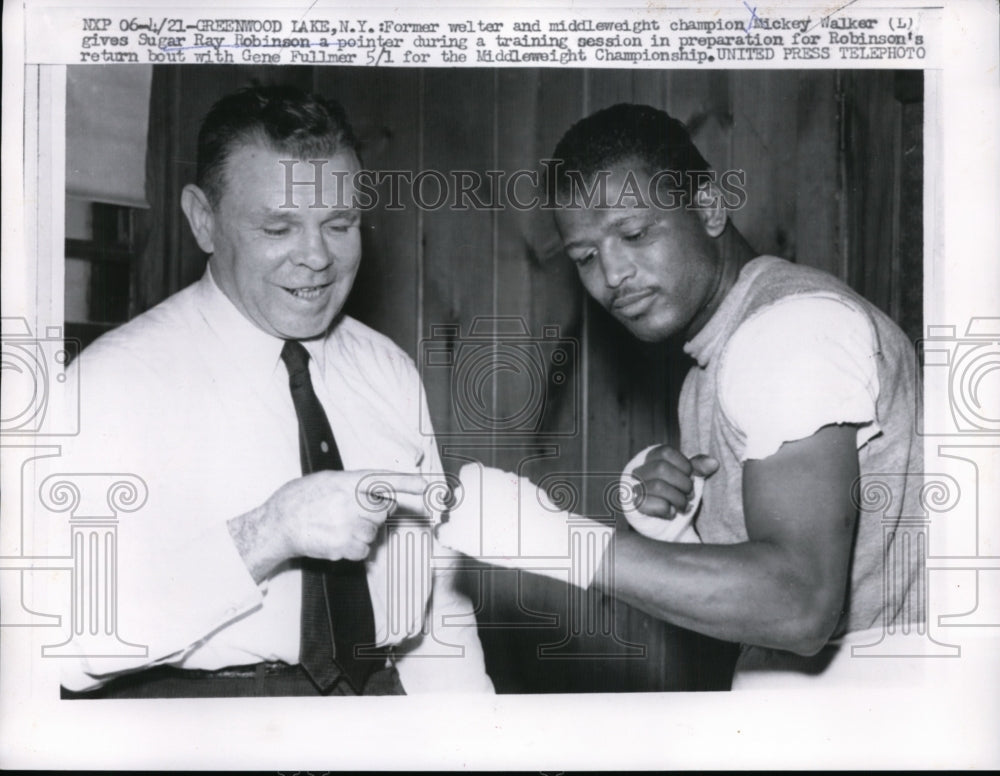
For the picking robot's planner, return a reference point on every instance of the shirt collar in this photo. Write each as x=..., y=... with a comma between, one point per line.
x=258, y=352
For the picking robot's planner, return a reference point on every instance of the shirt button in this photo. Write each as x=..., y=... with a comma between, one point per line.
x=324, y=446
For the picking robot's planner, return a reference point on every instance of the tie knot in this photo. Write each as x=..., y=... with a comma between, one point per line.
x=296, y=358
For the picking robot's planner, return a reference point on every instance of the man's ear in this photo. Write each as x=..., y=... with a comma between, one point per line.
x=200, y=216
x=711, y=211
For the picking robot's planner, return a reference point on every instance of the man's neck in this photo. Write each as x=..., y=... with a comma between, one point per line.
x=734, y=252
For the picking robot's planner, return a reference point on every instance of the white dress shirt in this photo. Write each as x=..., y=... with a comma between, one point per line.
x=193, y=398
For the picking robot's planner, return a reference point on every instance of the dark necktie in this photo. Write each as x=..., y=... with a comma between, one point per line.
x=337, y=612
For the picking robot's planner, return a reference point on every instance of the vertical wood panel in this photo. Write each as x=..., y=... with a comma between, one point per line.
x=817, y=173
x=764, y=142
x=149, y=282
x=871, y=161
x=701, y=99
x=910, y=247
x=458, y=272
x=381, y=104
x=458, y=264
x=533, y=282
x=514, y=284
x=650, y=87
x=512, y=596
x=557, y=296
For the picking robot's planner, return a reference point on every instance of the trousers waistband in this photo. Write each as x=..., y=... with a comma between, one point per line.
x=265, y=678
x=268, y=668
x=255, y=670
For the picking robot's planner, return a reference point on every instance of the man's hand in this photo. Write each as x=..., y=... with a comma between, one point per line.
x=331, y=515
x=666, y=480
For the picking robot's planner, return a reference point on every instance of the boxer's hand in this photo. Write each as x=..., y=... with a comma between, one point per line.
x=331, y=515
x=666, y=480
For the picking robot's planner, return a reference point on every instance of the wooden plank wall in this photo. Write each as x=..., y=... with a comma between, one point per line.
x=883, y=182
x=428, y=269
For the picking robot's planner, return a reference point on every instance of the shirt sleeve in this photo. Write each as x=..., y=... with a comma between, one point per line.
x=798, y=365
x=446, y=655
x=165, y=582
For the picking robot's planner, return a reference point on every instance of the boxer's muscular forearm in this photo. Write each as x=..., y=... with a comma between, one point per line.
x=783, y=588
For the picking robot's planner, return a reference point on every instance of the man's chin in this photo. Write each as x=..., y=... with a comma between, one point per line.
x=640, y=328
x=306, y=333
x=300, y=328
x=661, y=322
x=647, y=336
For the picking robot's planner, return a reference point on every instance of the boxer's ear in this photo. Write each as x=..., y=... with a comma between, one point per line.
x=200, y=216
x=710, y=208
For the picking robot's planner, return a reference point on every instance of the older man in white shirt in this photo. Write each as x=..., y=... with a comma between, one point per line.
x=198, y=397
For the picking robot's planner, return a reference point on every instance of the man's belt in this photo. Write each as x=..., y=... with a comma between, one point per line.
x=136, y=684
x=271, y=668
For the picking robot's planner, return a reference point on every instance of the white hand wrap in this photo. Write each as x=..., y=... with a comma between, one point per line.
x=505, y=520
x=680, y=528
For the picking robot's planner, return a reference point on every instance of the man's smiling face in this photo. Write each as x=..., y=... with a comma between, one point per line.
x=656, y=270
x=288, y=269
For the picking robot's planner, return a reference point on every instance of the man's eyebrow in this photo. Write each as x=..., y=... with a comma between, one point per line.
x=274, y=212
x=614, y=223
x=292, y=213
x=620, y=220
x=345, y=212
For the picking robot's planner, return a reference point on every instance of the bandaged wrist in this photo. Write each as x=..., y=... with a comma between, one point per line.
x=505, y=520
